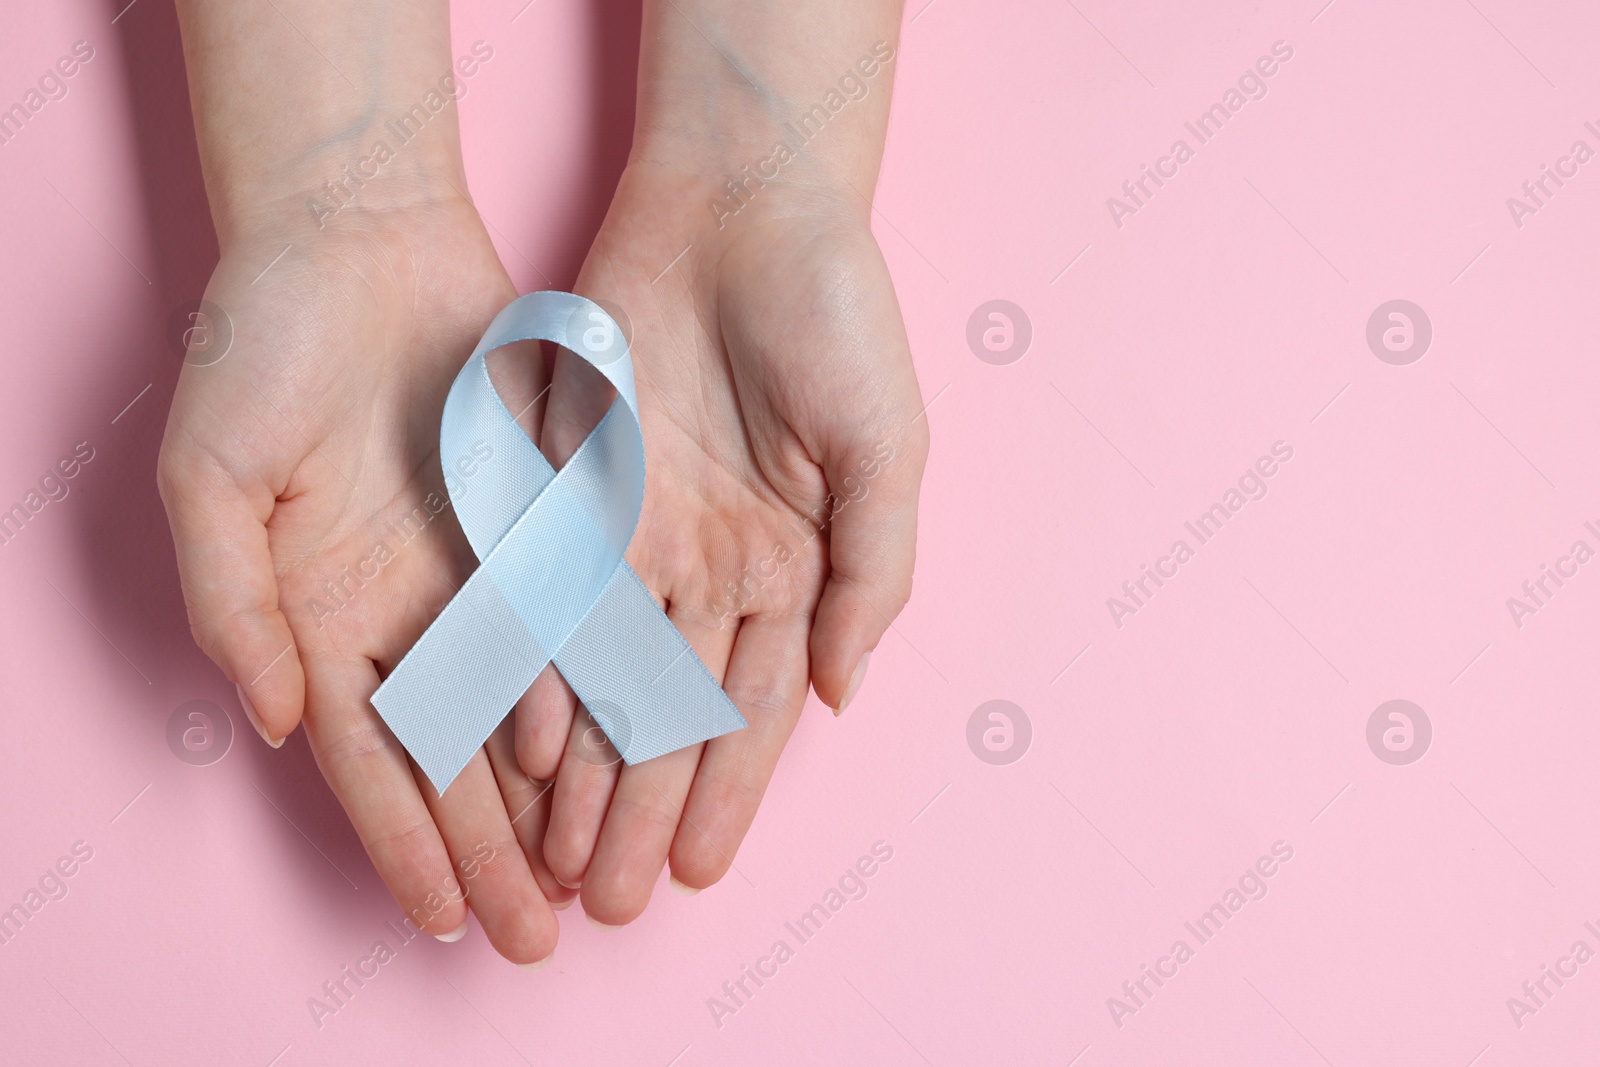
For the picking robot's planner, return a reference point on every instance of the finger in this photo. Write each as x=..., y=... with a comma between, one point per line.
x=527, y=801
x=543, y=719
x=767, y=679
x=648, y=803
x=589, y=768
x=872, y=547
x=490, y=867
x=370, y=774
x=230, y=589
x=637, y=833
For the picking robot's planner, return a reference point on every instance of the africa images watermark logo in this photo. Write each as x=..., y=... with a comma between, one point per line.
x=1251, y=485
x=1537, y=992
x=999, y=732
x=1537, y=192
x=337, y=992
x=199, y=733
x=1537, y=592
x=853, y=85
x=199, y=332
x=340, y=192
x=51, y=86
x=1251, y=85
x=52, y=886
x=852, y=885
x=1399, y=332
x=52, y=487
x=1250, y=886
x=1399, y=732
x=999, y=332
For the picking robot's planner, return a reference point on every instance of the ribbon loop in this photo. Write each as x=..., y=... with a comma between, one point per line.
x=552, y=585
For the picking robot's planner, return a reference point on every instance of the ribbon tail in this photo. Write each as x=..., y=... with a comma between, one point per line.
x=455, y=685
x=626, y=654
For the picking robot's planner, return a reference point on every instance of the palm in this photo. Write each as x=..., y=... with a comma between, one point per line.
x=345, y=419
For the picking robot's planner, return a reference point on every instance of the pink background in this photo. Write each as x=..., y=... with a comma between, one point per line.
x=1228, y=714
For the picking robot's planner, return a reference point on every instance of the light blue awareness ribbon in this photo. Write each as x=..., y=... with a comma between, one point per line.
x=552, y=585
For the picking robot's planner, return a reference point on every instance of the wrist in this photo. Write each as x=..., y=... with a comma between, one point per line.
x=337, y=171
x=360, y=190
x=774, y=102
x=310, y=116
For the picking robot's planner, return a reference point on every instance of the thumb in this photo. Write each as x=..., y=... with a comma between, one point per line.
x=871, y=510
x=230, y=588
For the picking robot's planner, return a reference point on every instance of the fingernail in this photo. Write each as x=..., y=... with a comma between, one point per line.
x=686, y=890
x=600, y=925
x=454, y=935
x=564, y=905
x=575, y=885
x=538, y=965
x=250, y=713
x=855, y=682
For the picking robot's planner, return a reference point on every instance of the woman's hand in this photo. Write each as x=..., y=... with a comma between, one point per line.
x=783, y=426
x=300, y=469
x=315, y=540
x=784, y=447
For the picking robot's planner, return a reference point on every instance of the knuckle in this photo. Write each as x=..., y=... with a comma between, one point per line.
x=656, y=814
x=567, y=848
x=730, y=797
x=358, y=742
x=704, y=849
x=538, y=756
x=409, y=839
x=489, y=860
x=765, y=697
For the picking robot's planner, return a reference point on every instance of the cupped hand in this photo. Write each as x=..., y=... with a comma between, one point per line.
x=785, y=445
x=315, y=540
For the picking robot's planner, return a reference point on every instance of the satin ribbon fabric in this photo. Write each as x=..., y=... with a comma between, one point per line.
x=551, y=585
